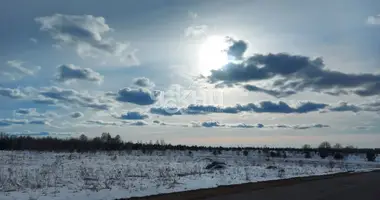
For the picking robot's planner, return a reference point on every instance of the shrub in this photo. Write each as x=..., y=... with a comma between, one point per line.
x=274, y=154
x=323, y=153
x=245, y=153
x=338, y=156
x=371, y=156
x=307, y=154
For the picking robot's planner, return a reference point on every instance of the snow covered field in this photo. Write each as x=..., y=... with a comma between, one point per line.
x=109, y=175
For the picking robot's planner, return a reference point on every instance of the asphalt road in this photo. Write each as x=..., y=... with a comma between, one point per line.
x=363, y=186
x=359, y=187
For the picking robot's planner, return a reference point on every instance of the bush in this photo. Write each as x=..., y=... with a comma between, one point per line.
x=371, y=156
x=245, y=153
x=338, y=156
x=323, y=153
x=274, y=154
x=307, y=154
x=284, y=154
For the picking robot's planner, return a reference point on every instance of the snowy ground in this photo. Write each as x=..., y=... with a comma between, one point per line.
x=110, y=175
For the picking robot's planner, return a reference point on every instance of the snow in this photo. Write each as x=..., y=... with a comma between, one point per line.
x=110, y=175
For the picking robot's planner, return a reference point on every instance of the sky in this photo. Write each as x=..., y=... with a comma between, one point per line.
x=216, y=72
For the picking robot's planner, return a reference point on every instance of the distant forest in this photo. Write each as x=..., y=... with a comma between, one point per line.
x=108, y=143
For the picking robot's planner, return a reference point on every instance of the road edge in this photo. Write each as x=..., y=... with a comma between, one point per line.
x=239, y=188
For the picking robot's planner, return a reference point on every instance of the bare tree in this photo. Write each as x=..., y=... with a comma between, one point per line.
x=325, y=145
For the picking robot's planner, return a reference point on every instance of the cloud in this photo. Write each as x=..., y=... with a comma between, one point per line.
x=12, y=93
x=61, y=97
x=237, y=48
x=74, y=98
x=243, y=125
x=34, y=40
x=373, y=106
x=76, y=115
x=373, y=20
x=261, y=107
x=32, y=112
x=15, y=69
x=210, y=124
x=303, y=127
x=141, y=96
x=138, y=123
x=192, y=15
x=39, y=122
x=274, y=93
x=10, y=122
x=27, y=111
x=344, y=106
x=67, y=73
x=293, y=73
x=133, y=115
x=101, y=123
x=143, y=82
x=370, y=90
x=165, y=111
x=196, y=31
x=86, y=33
x=46, y=101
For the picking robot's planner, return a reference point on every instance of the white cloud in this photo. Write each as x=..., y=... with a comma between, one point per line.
x=15, y=69
x=86, y=34
x=374, y=20
x=34, y=40
x=196, y=31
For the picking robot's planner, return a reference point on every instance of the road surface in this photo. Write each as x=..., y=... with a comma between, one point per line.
x=363, y=186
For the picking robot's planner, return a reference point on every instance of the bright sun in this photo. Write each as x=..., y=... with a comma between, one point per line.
x=212, y=55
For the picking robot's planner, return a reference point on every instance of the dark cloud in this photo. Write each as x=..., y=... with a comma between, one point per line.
x=43, y=100
x=302, y=127
x=101, y=123
x=11, y=93
x=10, y=122
x=143, y=82
x=211, y=124
x=262, y=107
x=237, y=48
x=141, y=96
x=133, y=115
x=243, y=125
x=274, y=93
x=70, y=72
x=138, y=123
x=23, y=111
x=370, y=90
x=294, y=73
x=39, y=122
x=76, y=115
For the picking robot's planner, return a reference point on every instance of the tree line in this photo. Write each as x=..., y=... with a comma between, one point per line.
x=106, y=142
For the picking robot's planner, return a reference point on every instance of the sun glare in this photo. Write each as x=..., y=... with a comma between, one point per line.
x=212, y=55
